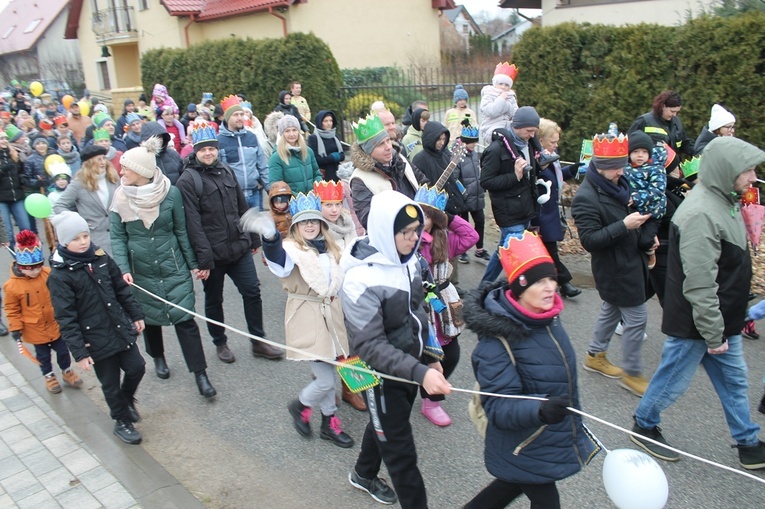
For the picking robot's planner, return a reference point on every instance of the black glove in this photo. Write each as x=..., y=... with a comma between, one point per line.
x=553, y=410
x=16, y=334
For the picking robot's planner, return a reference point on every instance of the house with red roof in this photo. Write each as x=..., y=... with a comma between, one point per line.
x=32, y=44
x=113, y=34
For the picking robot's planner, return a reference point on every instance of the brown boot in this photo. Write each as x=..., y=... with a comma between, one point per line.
x=52, y=384
x=71, y=378
x=260, y=349
x=355, y=400
x=225, y=354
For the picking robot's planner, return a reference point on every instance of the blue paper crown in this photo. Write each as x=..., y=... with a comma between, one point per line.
x=303, y=202
x=431, y=197
x=202, y=132
x=246, y=104
x=469, y=132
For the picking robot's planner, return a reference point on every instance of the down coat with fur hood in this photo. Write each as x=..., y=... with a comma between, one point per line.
x=519, y=447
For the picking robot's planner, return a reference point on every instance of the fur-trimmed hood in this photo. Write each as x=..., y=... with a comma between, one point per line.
x=269, y=125
x=360, y=159
x=487, y=316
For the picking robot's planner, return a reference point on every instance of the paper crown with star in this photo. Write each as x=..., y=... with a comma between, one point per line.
x=525, y=260
x=28, y=249
x=431, y=197
x=328, y=191
x=367, y=128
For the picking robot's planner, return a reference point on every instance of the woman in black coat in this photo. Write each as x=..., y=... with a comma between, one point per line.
x=11, y=189
x=286, y=107
x=663, y=125
x=433, y=160
x=325, y=145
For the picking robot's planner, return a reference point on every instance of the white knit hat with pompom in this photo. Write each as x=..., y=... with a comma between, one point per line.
x=143, y=159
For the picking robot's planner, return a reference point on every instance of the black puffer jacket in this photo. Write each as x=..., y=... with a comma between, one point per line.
x=168, y=160
x=11, y=172
x=432, y=163
x=513, y=201
x=212, y=219
x=618, y=259
x=93, y=306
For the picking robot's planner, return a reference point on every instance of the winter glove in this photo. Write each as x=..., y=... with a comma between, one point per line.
x=258, y=222
x=341, y=156
x=16, y=334
x=553, y=410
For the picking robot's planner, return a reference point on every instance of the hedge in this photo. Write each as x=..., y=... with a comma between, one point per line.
x=585, y=76
x=258, y=68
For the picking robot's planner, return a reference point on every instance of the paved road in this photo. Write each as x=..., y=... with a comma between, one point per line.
x=240, y=450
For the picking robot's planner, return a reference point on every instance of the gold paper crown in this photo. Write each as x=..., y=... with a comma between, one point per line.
x=520, y=254
x=328, y=191
x=610, y=147
x=506, y=70
x=230, y=101
x=368, y=128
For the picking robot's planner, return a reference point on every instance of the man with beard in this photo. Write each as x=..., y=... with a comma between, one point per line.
x=214, y=202
x=239, y=148
x=377, y=167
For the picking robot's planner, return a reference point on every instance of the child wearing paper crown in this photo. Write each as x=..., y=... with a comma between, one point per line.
x=648, y=183
x=99, y=319
x=29, y=310
x=343, y=230
x=444, y=237
x=469, y=173
x=308, y=263
x=524, y=312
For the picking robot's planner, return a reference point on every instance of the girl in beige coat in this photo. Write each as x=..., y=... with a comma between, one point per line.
x=308, y=264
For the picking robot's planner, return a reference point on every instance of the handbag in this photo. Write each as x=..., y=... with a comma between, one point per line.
x=475, y=407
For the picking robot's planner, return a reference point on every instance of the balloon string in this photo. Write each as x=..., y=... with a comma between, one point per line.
x=455, y=389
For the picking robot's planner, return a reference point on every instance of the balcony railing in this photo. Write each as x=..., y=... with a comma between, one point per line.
x=114, y=23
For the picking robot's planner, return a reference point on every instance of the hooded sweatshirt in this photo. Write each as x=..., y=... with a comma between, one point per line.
x=709, y=267
x=283, y=220
x=382, y=295
x=169, y=161
x=432, y=162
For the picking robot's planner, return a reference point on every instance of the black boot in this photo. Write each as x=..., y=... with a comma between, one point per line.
x=569, y=290
x=330, y=430
x=301, y=417
x=160, y=367
x=203, y=383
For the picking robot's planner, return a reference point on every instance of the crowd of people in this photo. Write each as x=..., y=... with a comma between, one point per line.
x=366, y=241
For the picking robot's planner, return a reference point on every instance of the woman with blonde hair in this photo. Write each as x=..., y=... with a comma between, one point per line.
x=90, y=194
x=308, y=263
x=293, y=162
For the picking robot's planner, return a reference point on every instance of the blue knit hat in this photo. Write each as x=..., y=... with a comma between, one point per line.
x=460, y=93
x=132, y=117
x=28, y=249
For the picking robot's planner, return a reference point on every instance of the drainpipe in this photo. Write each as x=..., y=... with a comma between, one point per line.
x=284, y=20
x=192, y=18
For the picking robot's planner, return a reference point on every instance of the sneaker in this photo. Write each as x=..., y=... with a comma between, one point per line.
x=482, y=254
x=71, y=378
x=434, y=413
x=463, y=258
x=749, y=330
x=301, y=417
x=126, y=432
x=377, y=488
x=52, y=384
x=752, y=457
x=598, y=363
x=651, y=448
x=637, y=384
x=331, y=429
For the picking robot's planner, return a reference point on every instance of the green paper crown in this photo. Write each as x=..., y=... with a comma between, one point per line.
x=100, y=134
x=368, y=128
x=12, y=131
x=690, y=167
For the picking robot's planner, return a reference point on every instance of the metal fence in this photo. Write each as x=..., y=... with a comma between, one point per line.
x=398, y=88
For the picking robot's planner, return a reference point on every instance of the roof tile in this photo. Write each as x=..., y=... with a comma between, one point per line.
x=22, y=22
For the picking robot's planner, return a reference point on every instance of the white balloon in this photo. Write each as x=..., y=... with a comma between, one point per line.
x=634, y=480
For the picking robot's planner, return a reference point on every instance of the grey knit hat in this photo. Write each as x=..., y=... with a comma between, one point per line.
x=525, y=116
x=286, y=122
x=68, y=225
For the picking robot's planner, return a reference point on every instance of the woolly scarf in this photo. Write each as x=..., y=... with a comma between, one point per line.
x=87, y=257
x=620, y=192
x=343, y=231
x=325, y=134
x=135, y=138
x=70, y=158
x=141, y=202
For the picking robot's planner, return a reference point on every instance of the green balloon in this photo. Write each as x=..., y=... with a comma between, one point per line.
x=38, y=205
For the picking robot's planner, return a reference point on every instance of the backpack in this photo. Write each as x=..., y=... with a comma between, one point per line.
x=198, y=186
x=475, y=408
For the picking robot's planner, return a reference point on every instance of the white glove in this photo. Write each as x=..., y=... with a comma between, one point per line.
x=258, y=222
x=544, y=198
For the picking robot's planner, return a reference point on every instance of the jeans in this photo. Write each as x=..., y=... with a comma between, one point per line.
x=119, y=395
x=727, y=372
x=243, y=274
x=255, y=200
x=494, y=267
x=19, y=213
x=44, y=354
